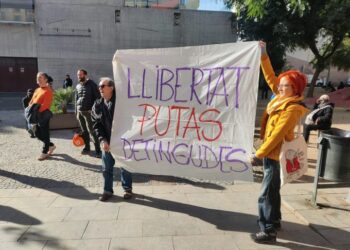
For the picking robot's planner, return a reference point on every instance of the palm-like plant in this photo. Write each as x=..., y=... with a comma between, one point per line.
x=61, y=98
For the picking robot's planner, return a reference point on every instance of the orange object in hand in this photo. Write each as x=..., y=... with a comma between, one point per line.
x=78, y=141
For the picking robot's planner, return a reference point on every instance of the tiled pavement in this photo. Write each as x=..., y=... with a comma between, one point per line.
x=53, y=205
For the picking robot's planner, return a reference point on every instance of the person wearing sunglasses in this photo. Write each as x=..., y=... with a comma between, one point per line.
x=102, y=118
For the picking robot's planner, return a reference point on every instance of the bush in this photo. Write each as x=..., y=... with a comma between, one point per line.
x=61, y=98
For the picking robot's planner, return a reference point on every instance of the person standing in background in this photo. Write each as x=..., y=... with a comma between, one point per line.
x=85, y=95
x=67, y=82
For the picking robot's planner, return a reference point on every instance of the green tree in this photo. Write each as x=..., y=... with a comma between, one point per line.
x=319, y=25
x=341, y=57
x=264, y=29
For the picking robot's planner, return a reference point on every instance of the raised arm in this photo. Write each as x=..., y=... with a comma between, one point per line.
x=267, y=69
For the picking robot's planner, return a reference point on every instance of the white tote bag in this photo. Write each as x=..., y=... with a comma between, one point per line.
x=293, y=158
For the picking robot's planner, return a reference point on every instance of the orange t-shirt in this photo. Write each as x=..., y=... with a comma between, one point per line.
x=42, y=96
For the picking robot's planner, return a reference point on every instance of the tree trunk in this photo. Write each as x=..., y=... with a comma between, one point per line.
x=310, y=92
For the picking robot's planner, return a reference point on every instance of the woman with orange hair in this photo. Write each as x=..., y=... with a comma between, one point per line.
x=280, y=117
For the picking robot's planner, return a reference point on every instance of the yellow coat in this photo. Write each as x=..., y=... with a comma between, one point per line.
x=280, y=123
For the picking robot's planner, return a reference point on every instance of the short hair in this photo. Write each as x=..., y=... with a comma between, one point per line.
x=83, y=70
x=324, y=98
x=108, y=80
x=68, y=75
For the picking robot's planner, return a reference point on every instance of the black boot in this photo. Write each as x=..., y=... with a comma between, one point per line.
x=86, y=138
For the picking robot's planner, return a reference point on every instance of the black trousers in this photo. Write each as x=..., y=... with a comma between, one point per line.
x=43, y=134
x=85, y=121
x=308, y=128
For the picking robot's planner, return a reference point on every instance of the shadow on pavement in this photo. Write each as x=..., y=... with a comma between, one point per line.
x=299, y=236
x=50, y=184
x=70, y=159
x=34, y=236
x=144, y=178
x=10, y=214
x=137, y=178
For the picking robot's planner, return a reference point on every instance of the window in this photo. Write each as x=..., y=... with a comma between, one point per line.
x=17, y=10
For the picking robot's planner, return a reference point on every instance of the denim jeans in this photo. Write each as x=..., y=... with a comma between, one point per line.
x=270, y=199
x=107, y=169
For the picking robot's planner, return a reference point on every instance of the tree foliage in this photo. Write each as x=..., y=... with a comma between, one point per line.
x=341, y=57
x=320, y=25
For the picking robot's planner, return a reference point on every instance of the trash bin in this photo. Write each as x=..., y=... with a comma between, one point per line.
x=335, y=152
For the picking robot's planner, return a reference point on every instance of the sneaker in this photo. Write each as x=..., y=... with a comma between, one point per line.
x=85, y=151
x=264, y=238
x=51, y=149
x=127, y=195
x=43, y=157
x=105, y=197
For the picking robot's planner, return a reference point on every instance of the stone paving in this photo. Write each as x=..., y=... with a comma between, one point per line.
x=53, y=205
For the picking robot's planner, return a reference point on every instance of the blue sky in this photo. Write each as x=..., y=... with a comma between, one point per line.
x=215, y=5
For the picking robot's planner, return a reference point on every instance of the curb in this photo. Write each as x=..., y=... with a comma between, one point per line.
x=295, y=212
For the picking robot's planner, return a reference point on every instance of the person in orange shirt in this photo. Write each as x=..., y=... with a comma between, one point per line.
x=43, y=95
x=283, y=112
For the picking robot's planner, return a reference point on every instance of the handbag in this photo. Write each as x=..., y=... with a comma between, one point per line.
x=293, y=158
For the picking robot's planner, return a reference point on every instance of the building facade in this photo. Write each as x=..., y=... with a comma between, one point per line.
x=61, y=36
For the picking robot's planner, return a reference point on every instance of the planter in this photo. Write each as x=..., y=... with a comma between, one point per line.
x=64, y=121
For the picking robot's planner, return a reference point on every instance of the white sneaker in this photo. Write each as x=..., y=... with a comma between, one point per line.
x=51, y=149
x=43, y=157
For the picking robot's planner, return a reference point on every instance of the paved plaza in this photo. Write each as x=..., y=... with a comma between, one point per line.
x=53, y=204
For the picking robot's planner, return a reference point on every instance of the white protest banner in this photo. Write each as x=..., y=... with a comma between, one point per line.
x=187, y=111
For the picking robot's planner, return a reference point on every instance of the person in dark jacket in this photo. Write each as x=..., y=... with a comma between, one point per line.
x=102, y=117
x=85, y=95
x=67, y=82
x=25, y=102
x=321, y=116
x=27, y=98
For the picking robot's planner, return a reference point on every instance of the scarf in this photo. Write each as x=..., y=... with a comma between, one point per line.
x=277, y=102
